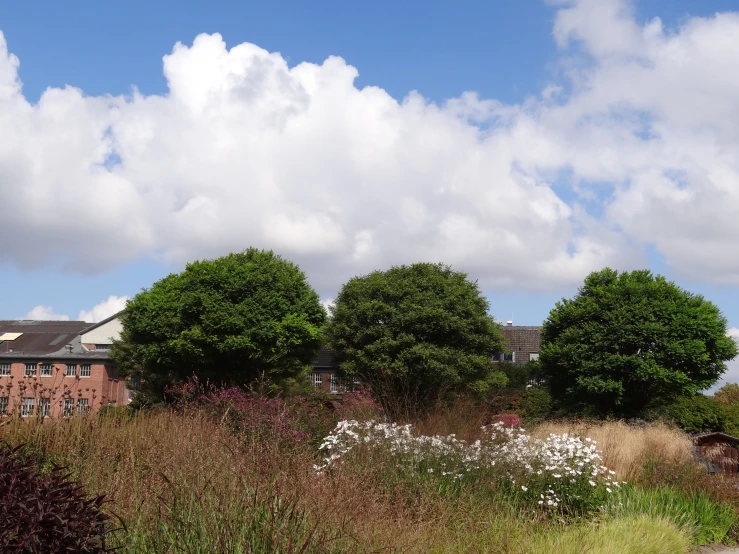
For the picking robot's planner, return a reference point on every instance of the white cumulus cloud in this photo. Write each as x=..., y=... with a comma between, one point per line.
x=45, y=313
x=111, y=306
x=244, y=150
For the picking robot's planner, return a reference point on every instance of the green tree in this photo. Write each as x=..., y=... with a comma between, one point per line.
x=728, y=394
x=698, y=413
x=415, y=334
x=631, y=342
x=229, y=320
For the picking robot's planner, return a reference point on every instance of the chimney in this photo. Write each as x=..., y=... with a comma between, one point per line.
x=509, y=323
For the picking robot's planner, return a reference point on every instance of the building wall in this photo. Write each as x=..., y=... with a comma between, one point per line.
x=325, y=381
x=101, y=388
x=105, y=334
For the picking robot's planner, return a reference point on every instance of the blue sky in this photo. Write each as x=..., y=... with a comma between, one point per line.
x=562, y=163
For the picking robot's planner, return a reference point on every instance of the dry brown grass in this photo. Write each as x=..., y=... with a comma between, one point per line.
x=149, y=462
x=626, y=448
x=145, y=464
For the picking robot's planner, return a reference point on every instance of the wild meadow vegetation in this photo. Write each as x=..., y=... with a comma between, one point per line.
x=224, y=470
x=206, y=464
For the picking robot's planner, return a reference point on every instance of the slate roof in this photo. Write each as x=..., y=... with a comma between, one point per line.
x=46, y=339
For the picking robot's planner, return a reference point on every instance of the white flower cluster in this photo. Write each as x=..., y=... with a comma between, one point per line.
x=397, y=438
x=551, y=466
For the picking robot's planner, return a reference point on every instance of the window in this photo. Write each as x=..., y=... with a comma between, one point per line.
x=3, y=405
x=71, y=370
x=4, y=370
x=30, y=370
x=352, y=384
x=68, y=407
x=45, y=370
x=82, y=406
x=318, y=380
x=103, y=346
x=27, y=407
x=43, y=407
x=334, y=383
x=534, y=357
x=134, y=383
x=503, y=357
x=85, y=370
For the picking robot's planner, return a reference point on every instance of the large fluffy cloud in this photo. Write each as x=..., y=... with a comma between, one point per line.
x=111, y=306
x=108, y=307
x=45, y=313
x=642, y=128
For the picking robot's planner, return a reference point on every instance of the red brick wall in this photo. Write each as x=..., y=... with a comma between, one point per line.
x=101, y=388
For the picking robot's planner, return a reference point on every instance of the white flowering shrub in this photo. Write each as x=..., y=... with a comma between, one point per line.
x=562, y=473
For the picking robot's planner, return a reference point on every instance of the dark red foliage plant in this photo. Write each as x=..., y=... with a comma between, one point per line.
x=47, y=513
x=509, y=420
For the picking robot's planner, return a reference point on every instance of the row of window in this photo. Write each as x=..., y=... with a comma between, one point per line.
x=503, y=357
x=335, y=384
x=45, y=370
x=43, y=405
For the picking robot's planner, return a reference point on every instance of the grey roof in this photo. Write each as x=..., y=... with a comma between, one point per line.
x=47, y=339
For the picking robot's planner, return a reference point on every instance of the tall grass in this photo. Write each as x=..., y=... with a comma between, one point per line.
x=627, y=449
x=708, y=521
x=190, y=483
x=642, y=534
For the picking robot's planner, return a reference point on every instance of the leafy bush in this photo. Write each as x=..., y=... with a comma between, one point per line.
x=697, y=413
x=46, y=513
x=535, y=405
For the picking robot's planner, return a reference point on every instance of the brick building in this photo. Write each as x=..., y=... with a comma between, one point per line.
x=53, y=368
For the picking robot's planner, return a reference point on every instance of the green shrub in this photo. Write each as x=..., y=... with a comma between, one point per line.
x=535, y=405
x=710, y=521
x=46, y=512
x=698, y=413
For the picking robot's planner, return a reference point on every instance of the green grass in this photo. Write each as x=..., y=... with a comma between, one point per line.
x=710, y=521
x=642, y=534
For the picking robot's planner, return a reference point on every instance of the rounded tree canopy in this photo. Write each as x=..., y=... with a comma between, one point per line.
x=414, y=333
x=629, y=342
x=231, y=319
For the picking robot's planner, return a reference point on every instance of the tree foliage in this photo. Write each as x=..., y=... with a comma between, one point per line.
x=415, y=333
x=228, y=320
x=630, y=342
x=728, y=394
x=698, y=413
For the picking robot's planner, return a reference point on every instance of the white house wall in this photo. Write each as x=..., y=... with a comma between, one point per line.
x=104, y=334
